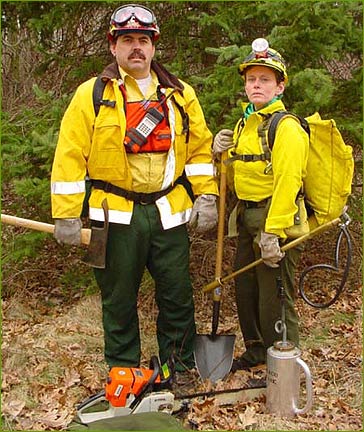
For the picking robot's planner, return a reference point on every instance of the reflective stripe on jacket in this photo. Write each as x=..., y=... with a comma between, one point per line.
x=94, y=147
x=283, y=182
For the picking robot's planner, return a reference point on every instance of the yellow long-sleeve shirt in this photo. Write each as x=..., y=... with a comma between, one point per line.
x=283, y=181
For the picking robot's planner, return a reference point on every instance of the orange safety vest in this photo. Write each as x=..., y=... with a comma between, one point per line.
x=159, y=140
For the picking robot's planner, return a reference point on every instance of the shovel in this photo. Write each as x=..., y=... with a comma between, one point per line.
x=214, y=353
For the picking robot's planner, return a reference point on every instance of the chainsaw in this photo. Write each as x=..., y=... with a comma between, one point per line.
x=139, y=390
x=131, y=391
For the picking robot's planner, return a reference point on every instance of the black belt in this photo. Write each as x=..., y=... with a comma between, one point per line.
x=254, y=204
x=137, y=197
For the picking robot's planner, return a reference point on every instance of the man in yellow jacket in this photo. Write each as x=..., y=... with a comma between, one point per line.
x=148, y=137
x=267, y=183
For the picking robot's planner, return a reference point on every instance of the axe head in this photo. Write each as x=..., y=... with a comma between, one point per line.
x=96, y=251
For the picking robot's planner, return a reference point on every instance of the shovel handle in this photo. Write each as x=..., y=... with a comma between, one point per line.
x=290, y=245
x=40, y=226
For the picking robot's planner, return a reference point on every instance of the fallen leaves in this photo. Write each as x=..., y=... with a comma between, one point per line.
x=12, y=407
x=46, y=366
x=53, y=357
x=248, y=418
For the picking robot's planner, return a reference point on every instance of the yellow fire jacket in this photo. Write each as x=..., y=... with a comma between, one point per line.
x=252, y=181
x=94, y=147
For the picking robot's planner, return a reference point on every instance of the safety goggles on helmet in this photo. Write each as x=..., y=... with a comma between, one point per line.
x=262, y=55
x=142, y=14
x=133, y=18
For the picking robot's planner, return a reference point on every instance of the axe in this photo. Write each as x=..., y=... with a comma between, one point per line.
x=94, y=238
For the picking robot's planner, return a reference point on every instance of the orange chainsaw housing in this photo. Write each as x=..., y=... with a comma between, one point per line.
x=123, y=382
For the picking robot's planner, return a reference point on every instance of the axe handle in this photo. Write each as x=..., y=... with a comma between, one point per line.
x=221, y=222
x=40, y=226
x=293, y=243
x=219, y=246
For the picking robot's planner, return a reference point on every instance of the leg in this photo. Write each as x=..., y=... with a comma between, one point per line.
x=247, y=290
x=119, y=282
x=270, y=303
x=288, y=272
x=169, y=266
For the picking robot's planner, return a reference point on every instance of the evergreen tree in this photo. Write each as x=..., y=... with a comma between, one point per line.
x=49, y=48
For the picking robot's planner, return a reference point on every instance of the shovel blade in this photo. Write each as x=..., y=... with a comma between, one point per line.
x=214, y=356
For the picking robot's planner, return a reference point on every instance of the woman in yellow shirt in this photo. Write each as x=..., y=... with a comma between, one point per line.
x=267, y=184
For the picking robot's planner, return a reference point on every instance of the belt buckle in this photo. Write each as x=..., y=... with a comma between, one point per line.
x=144, y=199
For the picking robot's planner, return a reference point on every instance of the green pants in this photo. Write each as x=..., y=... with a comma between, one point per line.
x=165, y=253
x=257, y=296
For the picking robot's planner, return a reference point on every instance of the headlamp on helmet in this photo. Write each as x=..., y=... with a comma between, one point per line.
x=262, y=55
x=133, y=18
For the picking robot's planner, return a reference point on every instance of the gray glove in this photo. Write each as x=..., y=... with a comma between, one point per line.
x=223, y=141
x=68, y=231
x=271, y=251
x=204, y=213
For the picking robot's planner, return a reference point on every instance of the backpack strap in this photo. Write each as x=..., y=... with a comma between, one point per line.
x=275, y=118
x=265, y=156
x=97, y=94
x=263, y=131
x=185, y=120
x=263, y=127
x=272, y=123
x=240, y=126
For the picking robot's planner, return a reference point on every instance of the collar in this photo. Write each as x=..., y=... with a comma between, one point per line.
x=165, y=78
x=270, y=108
x=131, y=84
x=125, y=76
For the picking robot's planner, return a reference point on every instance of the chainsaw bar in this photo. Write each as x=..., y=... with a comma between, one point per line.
x=254, y=389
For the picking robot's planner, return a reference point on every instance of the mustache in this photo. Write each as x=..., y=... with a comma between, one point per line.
x=137, y=53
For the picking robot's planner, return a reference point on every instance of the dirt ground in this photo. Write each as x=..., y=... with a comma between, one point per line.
x=52, y=346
